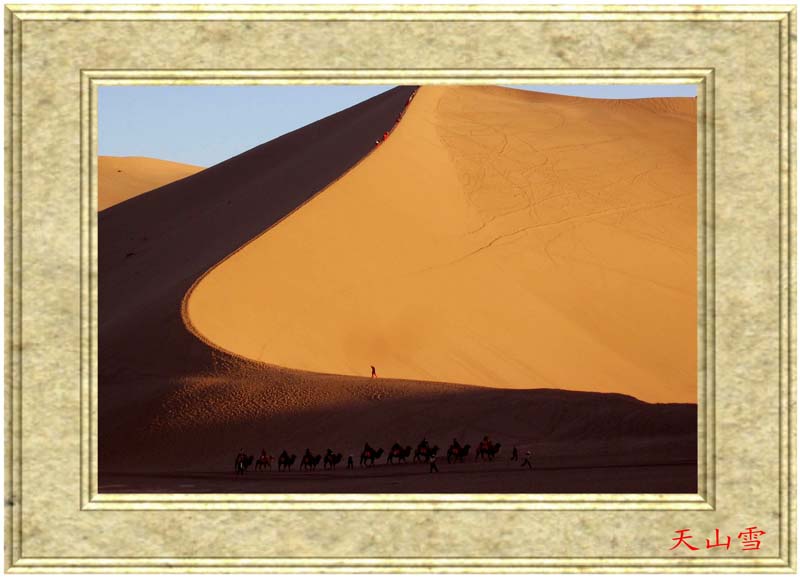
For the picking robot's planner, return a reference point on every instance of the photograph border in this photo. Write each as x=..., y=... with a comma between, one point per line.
x=702, y=500
x=90, y=80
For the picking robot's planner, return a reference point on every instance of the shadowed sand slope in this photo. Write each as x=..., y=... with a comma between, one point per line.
x=499, y=238
x=199, y=426
x=122, y=177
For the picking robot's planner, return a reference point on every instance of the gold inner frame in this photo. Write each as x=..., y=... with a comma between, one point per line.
x=91, y=79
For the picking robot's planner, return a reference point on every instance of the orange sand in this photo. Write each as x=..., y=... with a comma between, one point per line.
x=123, y=177
x=498, y=238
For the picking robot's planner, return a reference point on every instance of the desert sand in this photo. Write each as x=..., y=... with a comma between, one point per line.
x=499, y=238
x=177, y=401
x=122, y=177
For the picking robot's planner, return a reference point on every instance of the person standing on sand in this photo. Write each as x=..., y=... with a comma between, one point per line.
x=527, y=460
x=514, y=454
x=374, y=374
x=434, y=468
x=350, y=461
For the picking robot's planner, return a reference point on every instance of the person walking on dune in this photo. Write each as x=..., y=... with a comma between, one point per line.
x=374, y=374
x=527, y=460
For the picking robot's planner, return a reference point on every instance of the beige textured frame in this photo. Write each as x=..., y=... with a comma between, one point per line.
x=741, y=58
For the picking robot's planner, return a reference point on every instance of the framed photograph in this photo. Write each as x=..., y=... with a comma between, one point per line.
x=388, y=288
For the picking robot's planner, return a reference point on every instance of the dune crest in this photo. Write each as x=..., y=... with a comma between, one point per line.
x=123, y=177
x=500, y=238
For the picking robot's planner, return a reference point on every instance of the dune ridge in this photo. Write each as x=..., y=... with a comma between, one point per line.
x=122, y=177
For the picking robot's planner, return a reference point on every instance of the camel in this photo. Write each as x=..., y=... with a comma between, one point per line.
x=243, y=463
x=456, y=453
x=399, y=453
x=487, y=450
x=264, y=462
x=423, y=453
x=331, y=460
x=310, y=462
x=370, y=455
x=285, y=462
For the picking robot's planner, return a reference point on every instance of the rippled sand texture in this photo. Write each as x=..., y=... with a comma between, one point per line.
x=499, y=238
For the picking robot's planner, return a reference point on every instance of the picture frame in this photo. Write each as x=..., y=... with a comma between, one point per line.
x=742, y=60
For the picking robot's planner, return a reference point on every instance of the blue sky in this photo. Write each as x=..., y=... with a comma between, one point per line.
x=204, y=125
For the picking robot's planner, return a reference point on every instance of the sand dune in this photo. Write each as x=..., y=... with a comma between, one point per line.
x=172, y=406
x=154, y=246
x=499, y=238
x=196, y=427
x=122, y=177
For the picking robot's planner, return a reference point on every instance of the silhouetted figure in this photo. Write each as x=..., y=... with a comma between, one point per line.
x=307, y=461
x=527, y=460
x=331, y=459
x=398, y=452
x=434, y=468
x=424, y=451
x=374, y=374
x=514, y=454
x=243, y=461
x=457, y=452
x=369, y=456
x=285, y=461
x=350, y=461
x=487, y=449
x=264, y=461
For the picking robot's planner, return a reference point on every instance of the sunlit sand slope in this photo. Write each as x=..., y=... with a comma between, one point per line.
x=499, y=238
x=122, y=177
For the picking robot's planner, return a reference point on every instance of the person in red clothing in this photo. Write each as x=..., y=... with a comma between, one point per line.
x=385, y=135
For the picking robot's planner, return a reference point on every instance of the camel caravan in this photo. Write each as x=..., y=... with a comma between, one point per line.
x=424, y=453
